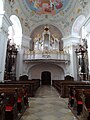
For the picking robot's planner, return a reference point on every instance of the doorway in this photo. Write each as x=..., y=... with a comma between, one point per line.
x=46, y=78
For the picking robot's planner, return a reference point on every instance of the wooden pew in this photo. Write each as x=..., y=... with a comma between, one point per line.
x=81, y=106
x=72, y=92
x=2, y=107
x=30, y=86
x=9, y=112
x=57, y=84
x=86, y=104
x=33, y=85
x=14, y=100
x=62, y=86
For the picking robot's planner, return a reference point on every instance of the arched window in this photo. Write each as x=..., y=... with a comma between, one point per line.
x=15, y=31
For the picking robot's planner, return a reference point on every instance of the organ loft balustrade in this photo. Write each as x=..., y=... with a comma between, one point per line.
x=50, y=55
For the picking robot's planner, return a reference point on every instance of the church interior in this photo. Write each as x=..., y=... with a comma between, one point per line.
x=44, y=59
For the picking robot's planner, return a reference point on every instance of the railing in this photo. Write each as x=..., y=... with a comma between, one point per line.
x=59, y=55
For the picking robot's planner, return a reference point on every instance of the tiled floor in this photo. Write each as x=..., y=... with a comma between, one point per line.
x=48, y=105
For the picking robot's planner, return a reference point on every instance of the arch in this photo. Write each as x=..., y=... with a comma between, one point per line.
x=40, y=27
x=56, y=26
x=37, y=64
x=36, y=34
x=87, y=23
x=35, y=71
x=15, y=36
x=77, y=25
x=15, y=31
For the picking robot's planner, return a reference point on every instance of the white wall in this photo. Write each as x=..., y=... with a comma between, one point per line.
x=57, y=73
x=70, y=44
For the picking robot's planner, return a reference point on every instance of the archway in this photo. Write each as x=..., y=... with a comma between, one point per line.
x=14, y=42
x=15, y=31
x=35, y=71
x=77, y=25
x=54, y=38
x=46, y=78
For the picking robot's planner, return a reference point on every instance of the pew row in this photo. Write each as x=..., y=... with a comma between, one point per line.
x=12, y=102
x=62, y=86
x=79, y=101
x=33, y=85
x=15, y=99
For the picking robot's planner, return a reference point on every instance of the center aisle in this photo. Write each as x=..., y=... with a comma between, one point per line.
x=48, y=105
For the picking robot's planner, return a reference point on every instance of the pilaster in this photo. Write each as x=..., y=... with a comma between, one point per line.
x=20, y=65
x=70, y=44
x=4, y=24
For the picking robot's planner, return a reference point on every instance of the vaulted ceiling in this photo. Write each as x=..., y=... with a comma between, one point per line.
x=56, y=13
x=52, y=29
x=51, y=9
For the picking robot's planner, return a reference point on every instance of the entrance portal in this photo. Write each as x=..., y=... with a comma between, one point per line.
x=46, y=78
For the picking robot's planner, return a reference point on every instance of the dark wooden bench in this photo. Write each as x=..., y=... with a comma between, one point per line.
x=33, y=85
x=58, y=84
x=65, y=89
x=14, y=101
x=24, y=89
x=9, y=100
x=79, y=102
x=2, y=107
x=62, y=86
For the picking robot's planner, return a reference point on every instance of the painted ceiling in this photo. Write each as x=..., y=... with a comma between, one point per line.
x=40, y=9
x=46, y=6
x=60, y=13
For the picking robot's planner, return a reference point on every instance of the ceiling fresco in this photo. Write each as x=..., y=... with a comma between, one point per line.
x=46, y=6
x=52, y=8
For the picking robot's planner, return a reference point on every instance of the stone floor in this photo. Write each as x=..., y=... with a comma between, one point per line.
x=48, y=105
